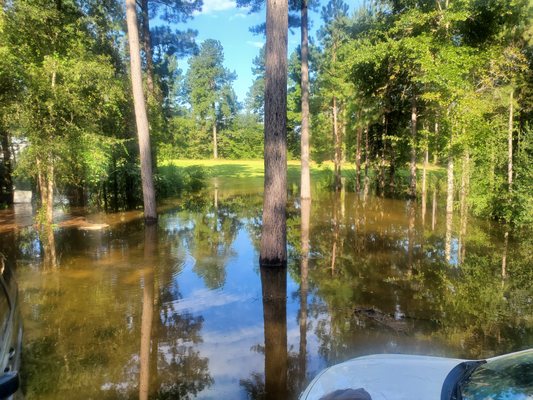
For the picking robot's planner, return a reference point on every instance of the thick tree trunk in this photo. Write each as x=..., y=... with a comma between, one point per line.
x=274, y=288
x=304, y=286
x=274, y=228
x=359, y=135
x=8, y=167
x=449, y=209
x=337, y=151
x=305, y=183
x=150, y=212
x=147, y=47
x=510, y=143
x=150, y=247
x=412, y=167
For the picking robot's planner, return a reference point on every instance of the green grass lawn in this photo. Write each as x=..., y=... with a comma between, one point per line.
x=254, y=168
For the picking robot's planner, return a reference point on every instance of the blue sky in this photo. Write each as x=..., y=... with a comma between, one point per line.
x=222, y=20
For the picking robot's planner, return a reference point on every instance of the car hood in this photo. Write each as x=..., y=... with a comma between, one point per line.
x=385, y=377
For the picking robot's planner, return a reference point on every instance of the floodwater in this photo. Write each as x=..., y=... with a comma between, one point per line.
x=182, y=310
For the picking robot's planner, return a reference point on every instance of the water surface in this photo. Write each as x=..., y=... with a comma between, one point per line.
x=182, y=309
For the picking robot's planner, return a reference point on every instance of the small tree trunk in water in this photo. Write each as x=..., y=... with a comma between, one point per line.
x=302, y=356
x=367, y=160
x=449, y=209
x=414, y=116
x=305, y=183
x=150, y=212
x=337, y=141
x=150, y=246
x=274, y=228
x=424, y=179
x=274, y=288
x=8, y=168
x=510, y=143
x=504, y=256
x=381, y=178
x=465, y=182
x=358, y=155
x=435, y=150
x=434, y=211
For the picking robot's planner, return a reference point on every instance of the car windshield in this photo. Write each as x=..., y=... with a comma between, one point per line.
x=504, y=378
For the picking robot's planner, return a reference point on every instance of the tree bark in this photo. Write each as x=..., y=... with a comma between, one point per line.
x=465, y=183
x=337, y=150
x=274, y=290
x=274, y=228
x=414, y=117
x=358, y=154
x=434, y=210
x=147, y=47
x=150, y=212
x=510, y=143
x=424, y=178
x=8, y=167
x=367, y=160
x=305, y=183
x=449, y=208
x=215, y=140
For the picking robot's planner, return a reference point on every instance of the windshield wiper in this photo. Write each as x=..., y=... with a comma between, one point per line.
x=451, y=389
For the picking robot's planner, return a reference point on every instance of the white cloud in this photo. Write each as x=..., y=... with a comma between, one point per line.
x=238, y=15
x=259, y=45
x=217, y=5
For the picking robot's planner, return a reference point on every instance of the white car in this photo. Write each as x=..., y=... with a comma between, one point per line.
x=408, y=377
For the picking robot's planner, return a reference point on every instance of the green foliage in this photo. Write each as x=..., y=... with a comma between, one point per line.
x=173, y=181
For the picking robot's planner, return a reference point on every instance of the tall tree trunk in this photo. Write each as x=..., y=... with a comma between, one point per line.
x=465, y=182
x=381, y=175
x=424, y=178
x=449, y=208
x=434, y=210
x=435, y=150
x=412, y=167
x=150, y=212
x=150, y=246
x=337, y=150
x=274, y=289
x=367, y=161
x=305, y=210
x=359, y=135
x=504, y=256
x=215, y=141
x=305, y=182
x=510, y=143
x=8, y=167
x=274, y=228
x=147, y=47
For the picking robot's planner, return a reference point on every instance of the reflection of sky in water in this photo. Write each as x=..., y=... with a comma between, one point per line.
x=233, y=319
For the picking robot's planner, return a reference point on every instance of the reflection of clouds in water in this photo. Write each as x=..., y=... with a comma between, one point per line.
x=204, y=299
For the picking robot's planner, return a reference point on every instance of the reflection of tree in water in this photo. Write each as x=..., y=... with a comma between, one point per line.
x=280, y=380
x=86, y=322
x=216, y=225
x=407, y=295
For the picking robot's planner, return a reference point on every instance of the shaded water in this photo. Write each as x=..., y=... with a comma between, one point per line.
x=182, y=309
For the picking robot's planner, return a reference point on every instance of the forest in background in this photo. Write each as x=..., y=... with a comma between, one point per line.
x=395, y=87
